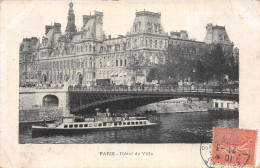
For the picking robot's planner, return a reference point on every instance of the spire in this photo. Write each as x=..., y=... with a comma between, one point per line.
x=71, y=28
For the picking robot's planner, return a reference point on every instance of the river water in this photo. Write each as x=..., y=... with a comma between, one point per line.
x=174, y=128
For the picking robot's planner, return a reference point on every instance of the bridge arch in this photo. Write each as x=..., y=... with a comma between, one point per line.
x=123, y=101
x=50, y=100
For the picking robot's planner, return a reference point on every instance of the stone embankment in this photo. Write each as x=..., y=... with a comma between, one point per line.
x=178, y=105
x=40, y=114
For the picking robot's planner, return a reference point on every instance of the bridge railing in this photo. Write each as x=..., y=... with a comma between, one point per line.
x=33, y=107
x=158, y=88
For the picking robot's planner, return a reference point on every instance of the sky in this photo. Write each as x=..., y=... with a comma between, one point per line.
x=240, y=17
x=30, y=17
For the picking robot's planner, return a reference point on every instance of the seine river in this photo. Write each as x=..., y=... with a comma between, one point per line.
x=174, y=128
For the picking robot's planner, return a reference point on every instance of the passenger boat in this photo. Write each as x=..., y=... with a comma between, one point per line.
x=70, y=126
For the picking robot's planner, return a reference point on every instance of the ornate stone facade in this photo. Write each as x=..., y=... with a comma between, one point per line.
x=88, y=55
x=28, y=72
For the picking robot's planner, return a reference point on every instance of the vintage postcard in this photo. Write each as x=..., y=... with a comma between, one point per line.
x=130, y=84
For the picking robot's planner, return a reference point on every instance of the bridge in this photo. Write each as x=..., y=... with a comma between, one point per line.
x=46, y=103
x=84, y=98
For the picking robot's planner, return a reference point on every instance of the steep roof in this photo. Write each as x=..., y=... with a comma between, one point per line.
x=147, y=22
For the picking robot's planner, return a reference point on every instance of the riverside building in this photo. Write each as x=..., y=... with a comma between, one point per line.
x=89, y=57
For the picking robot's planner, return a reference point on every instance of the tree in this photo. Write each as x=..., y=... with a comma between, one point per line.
x=152, y=75
x=214, y=62
x=177, y=65
x=233, y=69
x=207, y=62
x=137, y=65
x=199, y=72
x=236, y=72
x=219, y=62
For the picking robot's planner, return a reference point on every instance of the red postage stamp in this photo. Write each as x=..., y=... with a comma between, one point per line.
x=234, y=146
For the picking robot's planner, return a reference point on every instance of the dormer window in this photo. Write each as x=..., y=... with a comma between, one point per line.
x=137, y=27
x=157, y=27
x=109, y=48
x=160, y=44
x=149, y=27
x=135, y=43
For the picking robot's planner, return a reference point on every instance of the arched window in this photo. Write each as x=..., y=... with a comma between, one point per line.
x=80, y=79
x=86, y=64
x=157, y=27
x=44, y=78
x=68, y=64
x=149, y=25
x=61, y=64
x=71, y=64
x=136, y=28
x=135, y=43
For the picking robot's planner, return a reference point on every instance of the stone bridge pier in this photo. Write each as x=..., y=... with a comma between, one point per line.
x=30, y=98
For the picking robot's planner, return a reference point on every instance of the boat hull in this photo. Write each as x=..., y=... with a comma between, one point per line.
x=44, y=131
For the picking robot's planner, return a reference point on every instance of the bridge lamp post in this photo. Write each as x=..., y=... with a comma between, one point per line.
x=194, y=74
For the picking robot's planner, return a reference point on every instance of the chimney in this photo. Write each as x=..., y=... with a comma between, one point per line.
x=109, y=36
x=86, y=19
x=57, y=27
x=47, y=29
x=104, y=37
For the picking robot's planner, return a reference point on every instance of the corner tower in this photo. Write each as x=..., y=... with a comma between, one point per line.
x=71, y=27
x=216, y=34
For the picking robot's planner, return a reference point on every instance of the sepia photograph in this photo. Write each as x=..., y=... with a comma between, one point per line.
x=78, y=84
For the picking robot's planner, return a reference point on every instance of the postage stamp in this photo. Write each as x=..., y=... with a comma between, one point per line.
x=233, y=147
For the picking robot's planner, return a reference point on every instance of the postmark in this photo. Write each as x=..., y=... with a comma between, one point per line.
x=233, y=147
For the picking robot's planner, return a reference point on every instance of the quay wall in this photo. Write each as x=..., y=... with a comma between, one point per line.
x=175, y=105
x=31, y=107
x=35, y=97
x=41, y=114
